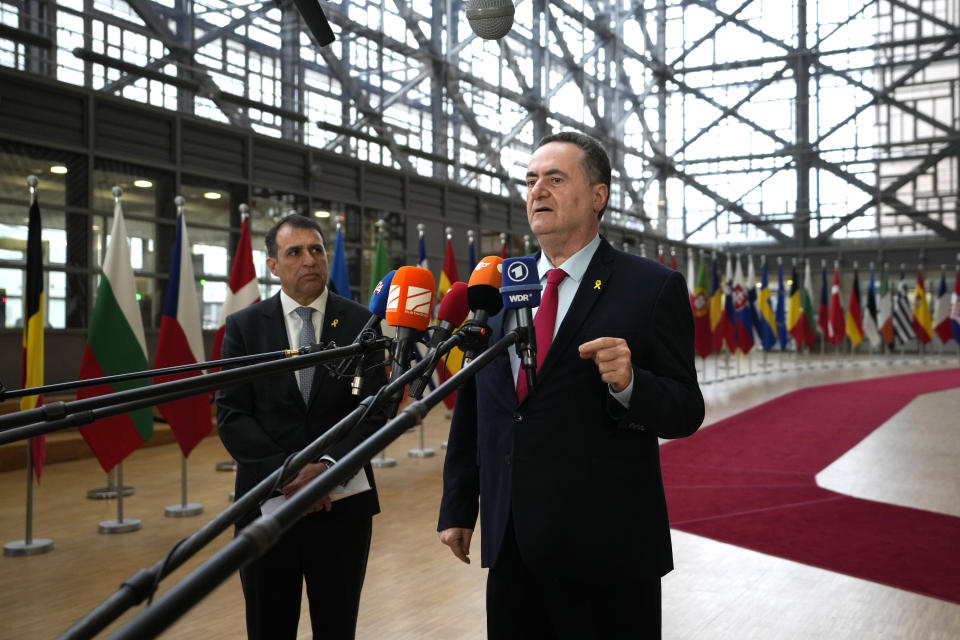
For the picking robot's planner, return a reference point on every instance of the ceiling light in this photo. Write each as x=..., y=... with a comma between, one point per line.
x=143, y=184
x=58, y=169
x=212, y=195
x=322, y=213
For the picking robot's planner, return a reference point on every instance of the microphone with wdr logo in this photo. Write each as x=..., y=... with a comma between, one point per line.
x=521, y=291
x=483, y=296
x=451, y=313
x=408, y=309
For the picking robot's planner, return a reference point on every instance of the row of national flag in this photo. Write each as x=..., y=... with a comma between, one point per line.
x=733, y=313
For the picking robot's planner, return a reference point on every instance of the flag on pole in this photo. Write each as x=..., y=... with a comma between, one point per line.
x=768, y=323
x=701, y=313
x=955, y=308
x=717, y=316
x=691, y=277
x=116, y=344
x=798, y=323
x=751, y=287
x=922, y=322
x=660, y=253
x=729, y=309
x=339, y=278
x=242, y=289
x=871, y=329
x=503, y=246
x=181, y=342
x=836, y=326
x=806, y=300
x=885, y=309
x=380, y=267
x=742, y=313
x=33, y=327
x=673, y=260
x=471, y=252
x=854, y=317
x=781, y=309
x=454, y=360
x=823, y=315
x=902, y=320
x=941, y=311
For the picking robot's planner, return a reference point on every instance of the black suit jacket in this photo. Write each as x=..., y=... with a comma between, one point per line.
x=264, y=421
x=579, y=472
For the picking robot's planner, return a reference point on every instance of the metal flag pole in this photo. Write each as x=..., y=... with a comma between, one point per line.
x=382, y=460
x=110, y=491
x=29, y=546
x=120, y=525
x=184, y=509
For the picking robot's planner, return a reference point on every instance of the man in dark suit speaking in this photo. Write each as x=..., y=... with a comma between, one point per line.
x=567, y=477
x=262, y=422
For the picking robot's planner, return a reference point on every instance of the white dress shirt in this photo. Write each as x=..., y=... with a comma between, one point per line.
x=293, y=321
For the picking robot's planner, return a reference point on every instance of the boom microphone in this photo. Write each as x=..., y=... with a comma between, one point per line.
x=521, y=291
x=408, y=309
x=483, y=296
x=378, y=310
x=490, y=19
x=451, y=313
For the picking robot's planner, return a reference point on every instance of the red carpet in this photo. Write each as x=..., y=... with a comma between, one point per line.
x=749, y=481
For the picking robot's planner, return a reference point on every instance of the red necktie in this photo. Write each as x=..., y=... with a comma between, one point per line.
x=543, y=325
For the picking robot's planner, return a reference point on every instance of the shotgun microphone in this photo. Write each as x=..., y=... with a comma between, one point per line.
x=378, y=311
x=451, y=313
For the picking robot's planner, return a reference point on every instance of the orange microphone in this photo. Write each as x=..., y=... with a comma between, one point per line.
x=409, y=306
x=483, y=296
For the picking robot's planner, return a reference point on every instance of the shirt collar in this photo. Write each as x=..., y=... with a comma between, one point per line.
x=576, y=265
x=289, y=305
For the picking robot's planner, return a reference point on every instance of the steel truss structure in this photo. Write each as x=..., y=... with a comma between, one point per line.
x=796, y=123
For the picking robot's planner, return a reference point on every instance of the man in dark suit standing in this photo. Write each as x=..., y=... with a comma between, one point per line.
x=567, y=476
x=262, y=422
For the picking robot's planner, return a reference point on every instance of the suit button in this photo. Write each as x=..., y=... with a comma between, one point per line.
x=517, y=417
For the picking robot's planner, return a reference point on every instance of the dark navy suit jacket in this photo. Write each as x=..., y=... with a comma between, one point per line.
x=579, y=472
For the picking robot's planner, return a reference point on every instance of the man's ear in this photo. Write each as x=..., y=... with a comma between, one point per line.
x=272, y=265
x=600, y=194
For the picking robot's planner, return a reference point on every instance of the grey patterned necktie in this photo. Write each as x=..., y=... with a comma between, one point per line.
x=307, y=338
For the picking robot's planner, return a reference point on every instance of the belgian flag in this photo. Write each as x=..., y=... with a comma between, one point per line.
x=33, y=322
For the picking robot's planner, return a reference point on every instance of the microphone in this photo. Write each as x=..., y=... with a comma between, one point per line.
x=483, y=296
x=490, y=19
x=408, y=309
x=378, y=309
x=521, y=291
x=451, y=313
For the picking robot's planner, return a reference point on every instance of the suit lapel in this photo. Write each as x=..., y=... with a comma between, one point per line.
x=592, y=287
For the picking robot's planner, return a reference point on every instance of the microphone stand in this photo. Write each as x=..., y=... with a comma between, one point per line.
x=141, y=585
x=265, y=531
x=81, y=412
x=134, y=375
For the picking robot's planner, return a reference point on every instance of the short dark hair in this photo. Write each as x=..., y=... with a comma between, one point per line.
x=595, y=163
x=294, y=220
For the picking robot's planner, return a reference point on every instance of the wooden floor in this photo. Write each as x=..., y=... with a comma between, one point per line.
x=416, y=589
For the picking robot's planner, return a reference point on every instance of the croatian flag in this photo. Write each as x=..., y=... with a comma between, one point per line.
x=181, y=342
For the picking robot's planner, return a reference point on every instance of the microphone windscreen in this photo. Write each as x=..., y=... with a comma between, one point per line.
x=381, y=293
x=483, y=291
x=454, y=306
x=490, y=19
x=521, y=283
x=411, y=298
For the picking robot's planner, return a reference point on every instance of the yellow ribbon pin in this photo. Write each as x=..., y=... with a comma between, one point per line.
x=596, y=285
x=335, y=322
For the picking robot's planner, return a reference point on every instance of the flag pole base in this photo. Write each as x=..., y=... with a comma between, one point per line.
x=108, y=493
x=228, y=465
x=231, y=496
x=126, y=525
x=443, y=445
x=20, y=548
x=420, y=453
x=383, y=462
x=183, y=510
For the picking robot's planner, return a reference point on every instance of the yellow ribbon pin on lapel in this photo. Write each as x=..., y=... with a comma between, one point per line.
x=335, y=322
x=596, y=285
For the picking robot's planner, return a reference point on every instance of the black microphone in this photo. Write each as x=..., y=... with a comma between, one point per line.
x=451, y=313
x=490, y=19
x=521, y=291
x=483, y=295
x=408, y=309
x=378, y=311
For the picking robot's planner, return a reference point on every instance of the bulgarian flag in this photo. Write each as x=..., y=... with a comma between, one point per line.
x=116, y=344
x=242, y=289
x=33, y=324
x=181, y=342
x=454, y=360
x=806, y=301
